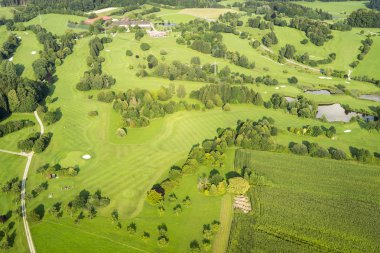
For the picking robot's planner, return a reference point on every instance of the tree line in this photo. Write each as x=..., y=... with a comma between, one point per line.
x=13, y=126
x=94, y=79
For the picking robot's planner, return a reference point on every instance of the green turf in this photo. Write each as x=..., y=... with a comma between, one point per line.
x=369, y=66
x=12, y=166
x=24, y=56
x=311, y=205
x=339, y=10
x=125, y=168
x=6, y=12
x=56, y=23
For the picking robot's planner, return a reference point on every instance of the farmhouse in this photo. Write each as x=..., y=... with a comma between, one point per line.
x=92, y=20
x=133, y=23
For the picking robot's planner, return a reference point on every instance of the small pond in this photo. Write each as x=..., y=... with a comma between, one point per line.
x=375, y=98
x=336, y=112
x=318, y=92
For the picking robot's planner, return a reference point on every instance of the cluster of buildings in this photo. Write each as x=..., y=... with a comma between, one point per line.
x=128, y=23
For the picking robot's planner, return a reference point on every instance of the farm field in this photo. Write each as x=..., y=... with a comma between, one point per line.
x=137, y=158
x=311, y=210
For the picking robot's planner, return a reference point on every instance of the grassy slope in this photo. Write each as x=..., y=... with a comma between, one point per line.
x=339, y=10
x=329, y=204
x=125, y=171
x=346, y=52
x=3, y=34
x=55, y=23
x=369, y=66
x=12, y=166
x=24, y=56
x=6, y=12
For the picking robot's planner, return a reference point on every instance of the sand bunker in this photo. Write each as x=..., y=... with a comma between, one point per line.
x=86, y=157
x=283, y=86
x=277, y=88
x=34, y=52
x=347, y=131
x=10, y=59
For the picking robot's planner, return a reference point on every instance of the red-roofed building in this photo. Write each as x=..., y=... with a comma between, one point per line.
x=92, y=20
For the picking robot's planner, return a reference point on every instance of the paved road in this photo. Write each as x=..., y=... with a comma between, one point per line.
x=23, y=191
x=14, y=153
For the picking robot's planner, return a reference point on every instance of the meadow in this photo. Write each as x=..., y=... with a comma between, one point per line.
x=339, y=10
x=323, y=206
x=56, y=23
x=125, y=168
x=369, y=66
x=27, y=53
x=12, y=166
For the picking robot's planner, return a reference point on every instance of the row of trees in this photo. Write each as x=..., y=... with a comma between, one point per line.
x=9, y=47
x=221, y=94
x=35, y=142
x=314, y=131
x=364, y=49
x=13, y=126
x=94, y=79
x=57, y=170
x=364, y=18
x=284, y=8
x=138, y=106
x=207, y=38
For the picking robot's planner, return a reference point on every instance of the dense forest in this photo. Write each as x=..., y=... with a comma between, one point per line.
x=375, y=4
x=364, y=18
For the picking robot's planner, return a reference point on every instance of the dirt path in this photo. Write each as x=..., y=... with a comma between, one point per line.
x=220, y=243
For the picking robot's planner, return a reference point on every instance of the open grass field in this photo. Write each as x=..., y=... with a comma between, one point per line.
x=6, y=12
x=12, y=166
x=311, y=206
x=56, y=23
x=185, y=15
x=205, y=13
x=125, y=168
x=345, y=52
x=339, y=10
x=3, y=34
x=369, y=66
x=27, y=53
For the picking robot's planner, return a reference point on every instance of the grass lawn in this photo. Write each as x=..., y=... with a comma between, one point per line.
x=6, y=12
x=369, y=66
x=12, y=166
x=309, y=205
x=23, y=56
x=206, y=13
x=339, y=10
x=346, y=52
x=3, y=34
x=56, y=23
x=124, y=169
